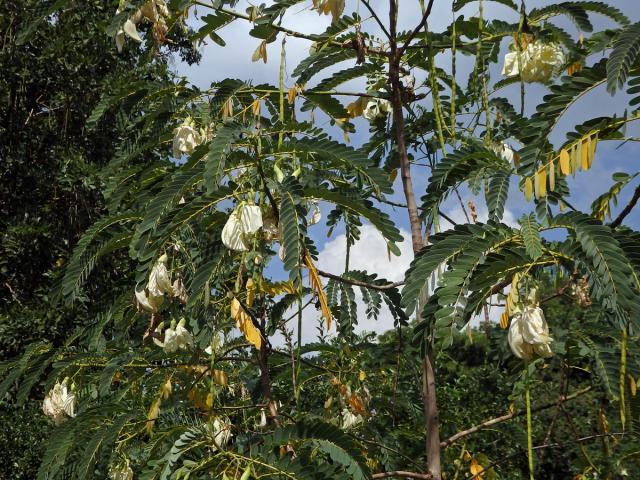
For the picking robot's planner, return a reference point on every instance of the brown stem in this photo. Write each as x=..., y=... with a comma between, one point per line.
x=265, y=378
x=358, y=283
x=432, y=443
x=626, y=210
x=400, y=473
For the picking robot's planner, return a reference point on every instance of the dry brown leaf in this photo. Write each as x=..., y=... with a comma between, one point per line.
x=316, y=285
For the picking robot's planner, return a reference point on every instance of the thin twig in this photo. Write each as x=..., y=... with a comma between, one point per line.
x=416, y=30
x=376, y=18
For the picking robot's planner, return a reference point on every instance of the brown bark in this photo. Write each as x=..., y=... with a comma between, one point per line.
x=432, y=443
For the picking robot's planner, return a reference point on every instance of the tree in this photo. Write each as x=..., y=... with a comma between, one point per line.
x=157, y=389
x=53, y=77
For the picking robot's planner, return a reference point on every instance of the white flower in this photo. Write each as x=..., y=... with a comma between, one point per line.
x=148, y=302
x=175, y=337
x=58, y=402
x=349, y=419
x=159, y=279
x=121, y=472
x=538, y=61
x=529, y=334
x=245, y=220
x=185, y=138
x=153, y=11
x=220, y=430
x=504, y=151
x=316, y=216
x=376, y=107
x=263, y=418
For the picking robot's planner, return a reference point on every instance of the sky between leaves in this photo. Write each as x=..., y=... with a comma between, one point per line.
x=234, y=61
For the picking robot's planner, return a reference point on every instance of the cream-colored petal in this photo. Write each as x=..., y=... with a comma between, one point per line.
x=120, y=40
x=251, y=219
x=232, y=236
x=130, y=29
x=510, y=67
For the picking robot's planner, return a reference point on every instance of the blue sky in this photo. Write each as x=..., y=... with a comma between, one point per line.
x=234, y=61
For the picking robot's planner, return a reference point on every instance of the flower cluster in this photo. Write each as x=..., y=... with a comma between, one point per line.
x=529, y=334
x=176, y=336
x=58, y=402
x=244, y=221
x=155, y=12
x=186, y=138
x=538, y=62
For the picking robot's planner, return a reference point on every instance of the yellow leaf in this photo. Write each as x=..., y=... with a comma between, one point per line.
x=255, y=107
x=227, y=109
x=251, y=333
x=277, y=288
x=504, y=319
x=542, y=183
x=574, y=68
x=512, y=408
x=362, y=375
x=584, y=153
x=152, y=415
x=165, y=390
x=592, y=149
x=476, y=469
x=328, y=402
x=245, y=324
x=220, y=377
x=251, y=292
x=633, y=386
x=565, y=162
x=260, y=52
x=575, y=159
x=393, y=175
x=528, y=189
x=209, y=401
x=316, y=285
x=552, y=176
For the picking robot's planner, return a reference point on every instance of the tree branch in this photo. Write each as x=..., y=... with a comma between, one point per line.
x=509, y=416
x=359, y=283
x=400, y=473
x=416, y=30
x=376, y=18
x=626, y=210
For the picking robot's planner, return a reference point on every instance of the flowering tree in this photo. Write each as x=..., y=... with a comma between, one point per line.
x=179, y=376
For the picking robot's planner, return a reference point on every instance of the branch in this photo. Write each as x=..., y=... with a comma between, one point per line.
x=376, y=18
x=509, y=416
x=400, y=473
x=416, y=30
x=625, y=211
x=358, y=283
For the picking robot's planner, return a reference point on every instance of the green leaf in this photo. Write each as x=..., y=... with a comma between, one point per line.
x=219, y=149
x=624, y=55
x=293, y=231
x=530, y=230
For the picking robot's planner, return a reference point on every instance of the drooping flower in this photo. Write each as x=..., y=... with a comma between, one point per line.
x=245, y=220
x=147, y=302
x=529, y=334
x=538, y=62
x=58, y=402
x=220, y=430
x=186, y=138
x=176, y=337
x=349, y=419
x=316, y=216
x=159, y=279
x=153, y=11
x=263, y=419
